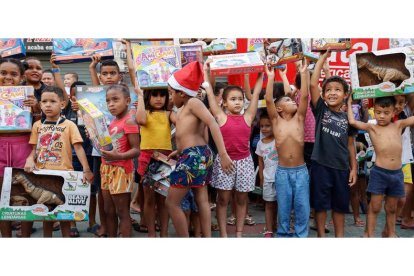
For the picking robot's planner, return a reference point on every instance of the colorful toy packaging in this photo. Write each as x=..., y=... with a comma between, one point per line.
x=280, y=51
x=155, y=64
x=14, y=116
x=96, y=125
x=97, y=96
x=190, y=53
x=44, y=195
x=256, y=45
x=12, y=48
x=236, y=64
x=401, y=42
x=312, y=57
x=221, y=46
x=334, y=44
x=382, y=73
x=163, y=173
x=73, y=50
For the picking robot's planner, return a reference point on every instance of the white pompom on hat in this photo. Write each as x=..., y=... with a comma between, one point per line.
x=188, y=79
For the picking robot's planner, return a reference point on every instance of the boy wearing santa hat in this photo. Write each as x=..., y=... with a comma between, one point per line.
x=194, y=166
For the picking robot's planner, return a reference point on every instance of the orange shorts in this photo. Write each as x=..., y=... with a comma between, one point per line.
x=114, y=179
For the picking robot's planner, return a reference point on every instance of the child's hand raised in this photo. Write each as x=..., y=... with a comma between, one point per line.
x=53, y=61
x=95, y=60
x=270, y=71
x=138, y=90
x=75, y=104
x=283, y=71
x=324, y=56
x=206, y=65
x=303, y=66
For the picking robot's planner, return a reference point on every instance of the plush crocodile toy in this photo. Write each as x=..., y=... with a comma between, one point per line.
x=40, y=194
x=383, y=73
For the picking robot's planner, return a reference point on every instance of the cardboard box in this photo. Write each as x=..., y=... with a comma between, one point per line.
x=382, y=73
x=335, y=44
x=401, y=42
x=12, y=48
x=312, y=57
x=221, y=46
x=190, y=53
x=14, y=116
x=163, y=173
x=155, y=64
x=74, y=50
x=256, y=45
x=97, y=96
x=44, y=195
x=235, y=64
x=283, y=51
x=96, y=125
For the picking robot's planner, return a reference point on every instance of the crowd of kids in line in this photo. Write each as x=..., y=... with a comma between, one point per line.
x=305, y=143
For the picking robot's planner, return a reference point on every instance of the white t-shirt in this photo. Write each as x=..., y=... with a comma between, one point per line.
x=270, y=159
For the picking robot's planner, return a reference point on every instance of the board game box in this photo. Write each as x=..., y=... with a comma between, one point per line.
x=190, y=53
x=12, y=48
x=234, y=64
x=14, y=116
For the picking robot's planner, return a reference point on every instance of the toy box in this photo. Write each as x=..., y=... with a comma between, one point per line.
x=212, y=45
x=311, y=57
x=190, y=53
x=74, y=50
x=120, y=54
x=96, y=125
x=97, y=96
x=382, y=73
x=281, y=51
x=401, y=42
x=335, y=44
x=236, y=64
x=14, y=116
x=12, y=48
x=163, y=173
x=256, y=45
x=44, y=195
x=155, y=64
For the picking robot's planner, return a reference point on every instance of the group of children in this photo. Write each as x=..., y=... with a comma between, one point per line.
x=293, y=178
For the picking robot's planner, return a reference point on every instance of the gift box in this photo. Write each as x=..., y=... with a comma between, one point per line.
x=382, y=73
x=334, y=44
x=235, y=64
x=155, y=64
x=96, y=125
x=190, y=53
x=44, y=195
x=12, y=48
x=14, y=116
x=97, y=96
x=74, y=50
x=283, y=51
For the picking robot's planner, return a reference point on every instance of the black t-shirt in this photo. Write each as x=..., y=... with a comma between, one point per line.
x=331, y=137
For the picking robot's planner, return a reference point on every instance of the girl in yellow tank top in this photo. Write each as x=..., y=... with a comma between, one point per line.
x=155, y=129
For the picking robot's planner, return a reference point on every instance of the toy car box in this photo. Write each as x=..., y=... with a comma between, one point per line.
x=281, y=51
x=96, y=125
x=14, y=116
x=44, y=195
x=12, y=48
x=190, y=53
x=74, y=50
x=382, y=73
x=234, y=64
x=155, y=64
x=334, y=44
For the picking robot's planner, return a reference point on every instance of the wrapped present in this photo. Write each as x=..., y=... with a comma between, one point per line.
x=44, y=195
x=12, y=48
x=14, y=115
x=155, y=64
x=234, y=64
x=73, y=50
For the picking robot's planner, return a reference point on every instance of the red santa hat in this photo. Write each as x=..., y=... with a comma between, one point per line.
x=188, y=79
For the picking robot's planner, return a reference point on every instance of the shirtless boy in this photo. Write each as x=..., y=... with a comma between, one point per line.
x=194, y=166
x=292, y=179
x=386, y=177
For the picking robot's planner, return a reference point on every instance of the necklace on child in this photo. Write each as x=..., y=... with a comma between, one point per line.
x=43, y=158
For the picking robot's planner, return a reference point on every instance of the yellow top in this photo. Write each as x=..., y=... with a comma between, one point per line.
x=156, y=134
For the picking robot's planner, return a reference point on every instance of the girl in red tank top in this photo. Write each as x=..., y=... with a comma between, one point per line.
x=235, y=128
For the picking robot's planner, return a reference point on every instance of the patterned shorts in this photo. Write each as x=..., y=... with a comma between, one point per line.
x=193, y=168
x=242, y=178
x=114, y=179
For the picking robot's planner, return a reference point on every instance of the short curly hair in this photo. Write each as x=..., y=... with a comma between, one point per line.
x=335, y=79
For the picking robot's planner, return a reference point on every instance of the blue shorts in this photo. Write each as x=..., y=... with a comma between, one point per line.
x=329, y=188
x=193, y=168
x=386, y=182
x=188, y=203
